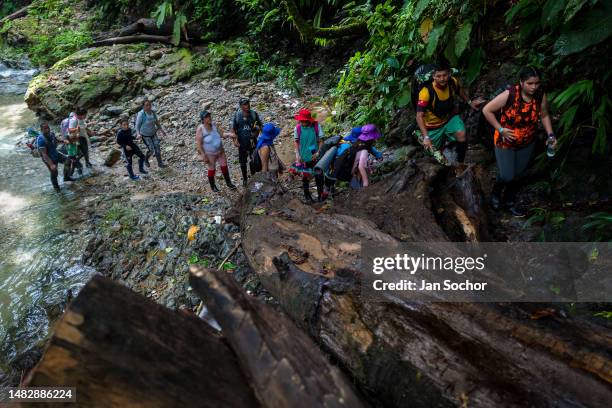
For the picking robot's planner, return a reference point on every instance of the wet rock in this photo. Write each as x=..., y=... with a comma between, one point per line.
x=114, y=111
x=113, y=157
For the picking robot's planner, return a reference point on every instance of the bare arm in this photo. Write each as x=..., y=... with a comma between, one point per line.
x=421, y=123
x=546, y=120
x=496, y=105
x=199, y=148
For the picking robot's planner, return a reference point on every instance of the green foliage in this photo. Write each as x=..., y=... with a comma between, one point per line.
x=6, y=8
x=601, y=224
x=240, y=59
x=47, y=50
x=195, y=260
x=605, y=314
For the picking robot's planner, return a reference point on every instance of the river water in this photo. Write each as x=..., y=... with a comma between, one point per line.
x=39, y=251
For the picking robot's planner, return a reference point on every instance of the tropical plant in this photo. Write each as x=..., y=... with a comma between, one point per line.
x=601, y=224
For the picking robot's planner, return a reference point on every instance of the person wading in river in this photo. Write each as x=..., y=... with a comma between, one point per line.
x=245, y=127
x=46, y=143
x=78, y=125
x=210, y=148
x=147, y=126
x=521, y=107
x=437, y=115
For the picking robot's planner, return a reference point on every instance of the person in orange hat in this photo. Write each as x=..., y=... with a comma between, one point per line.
x=307, y=135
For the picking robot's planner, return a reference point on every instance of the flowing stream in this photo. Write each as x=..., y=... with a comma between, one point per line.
x=39, y=250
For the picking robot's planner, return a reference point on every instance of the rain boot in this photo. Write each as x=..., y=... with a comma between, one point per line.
x=211, y=181
x=307, y=195
x=226, y=176
x=160, y=164
x=141, y=168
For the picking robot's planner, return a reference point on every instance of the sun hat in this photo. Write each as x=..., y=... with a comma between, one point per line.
x=269, y=130
x=352, y=137
x=369, y=132
x=304, y=115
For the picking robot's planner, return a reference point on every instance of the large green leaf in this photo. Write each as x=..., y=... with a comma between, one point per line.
x=594, y=27
x=462, y=38
x=475, y=65
x=434, y=38
x=573, y=7
x=179, y=21
x=419, y=8
x=404, y=98
x=551, y=11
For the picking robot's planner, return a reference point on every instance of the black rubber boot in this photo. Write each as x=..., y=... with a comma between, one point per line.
x=461, y=151
x=141, y=168
x=245, y=177
x=228, y=181
x=213, y=186
x=307, y=195
x=148, y=155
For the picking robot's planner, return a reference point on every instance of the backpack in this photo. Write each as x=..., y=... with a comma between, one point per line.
x=33, y=144
x=255, y=162
x=65, y=125
x=423, y=78
x=136, y=117
x=328, y=144
x=251, y=120
x=343, y=164
x=316, y=128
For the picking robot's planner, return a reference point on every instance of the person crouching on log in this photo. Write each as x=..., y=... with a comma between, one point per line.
x=364, y=146
x=210, y=149
x=307, y=135
x=521, y=107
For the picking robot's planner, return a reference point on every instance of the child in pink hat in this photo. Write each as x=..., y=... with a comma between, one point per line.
x=364, y=147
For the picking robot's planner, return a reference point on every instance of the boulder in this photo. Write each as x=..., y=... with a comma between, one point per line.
x=113, y=157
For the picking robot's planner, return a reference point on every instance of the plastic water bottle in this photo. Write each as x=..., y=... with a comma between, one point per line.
x=550, y=149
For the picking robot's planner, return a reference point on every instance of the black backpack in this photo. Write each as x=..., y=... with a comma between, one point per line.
x=343, y=164
x=255, y=162
x=422, y=78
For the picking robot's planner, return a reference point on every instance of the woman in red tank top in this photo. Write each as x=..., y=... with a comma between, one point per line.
x=521, y=108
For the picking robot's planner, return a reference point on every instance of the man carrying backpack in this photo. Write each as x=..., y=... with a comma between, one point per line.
x=437, y=115
x=77, y=125
x=245, y=128
x=46, y=143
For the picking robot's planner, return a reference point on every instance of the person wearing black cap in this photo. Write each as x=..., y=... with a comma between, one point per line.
x=245, y=126
x=210, y=149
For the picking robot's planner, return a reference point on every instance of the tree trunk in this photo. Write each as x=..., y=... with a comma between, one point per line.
x=413, y=353
x=146, y=29
x=120, y=349
x=286, y=367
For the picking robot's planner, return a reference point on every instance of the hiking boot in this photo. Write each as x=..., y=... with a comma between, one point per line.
x=141, y=168
x=162, y=165
x=135, y=177
x=89, y=166
x=146, y=160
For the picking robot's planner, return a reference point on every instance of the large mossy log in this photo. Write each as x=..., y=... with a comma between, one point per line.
x=121, y=350
x=412, y=353
x=285, y=366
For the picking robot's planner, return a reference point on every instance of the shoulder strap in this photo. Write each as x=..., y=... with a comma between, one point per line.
x=433, y=96
x=253, y=115
x=298, y=128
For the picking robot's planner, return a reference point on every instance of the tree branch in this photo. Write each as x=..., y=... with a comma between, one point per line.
x=308, y=32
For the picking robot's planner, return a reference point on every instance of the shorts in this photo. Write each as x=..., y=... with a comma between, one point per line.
x=440, y=136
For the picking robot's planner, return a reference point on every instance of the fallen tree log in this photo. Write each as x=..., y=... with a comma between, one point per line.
x=130, y=39
x=286, y=368
x=413, y=353
x=146, y=29
x=120, y=349
x=22, y=12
